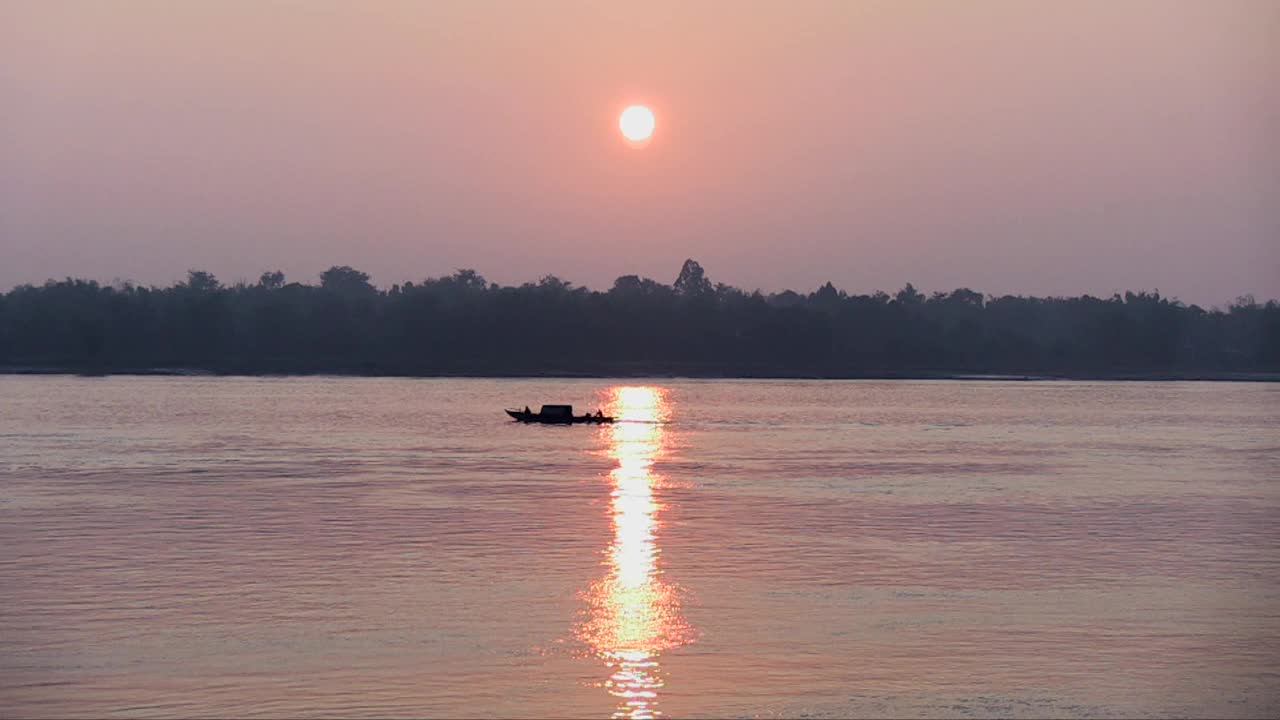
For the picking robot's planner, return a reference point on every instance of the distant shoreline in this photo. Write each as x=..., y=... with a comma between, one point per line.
x=464, y=326
x=1172, y=376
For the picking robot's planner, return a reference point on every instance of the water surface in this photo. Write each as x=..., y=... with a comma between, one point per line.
x=397, y=547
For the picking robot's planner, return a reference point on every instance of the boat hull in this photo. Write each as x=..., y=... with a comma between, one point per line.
x=532, y=417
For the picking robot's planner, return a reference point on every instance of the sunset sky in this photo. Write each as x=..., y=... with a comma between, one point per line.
x=1023, y=146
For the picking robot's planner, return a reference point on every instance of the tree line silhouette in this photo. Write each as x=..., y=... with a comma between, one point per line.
x=463, y=325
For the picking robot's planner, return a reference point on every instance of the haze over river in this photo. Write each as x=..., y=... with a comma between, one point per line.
x=297, y=547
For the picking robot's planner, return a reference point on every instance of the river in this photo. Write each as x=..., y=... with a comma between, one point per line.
x=324, y=546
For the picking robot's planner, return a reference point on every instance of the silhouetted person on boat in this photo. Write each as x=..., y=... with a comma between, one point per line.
x=599, y=413
x=526, y=410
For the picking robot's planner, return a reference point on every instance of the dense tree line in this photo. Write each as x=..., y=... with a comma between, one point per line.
x=461, y=324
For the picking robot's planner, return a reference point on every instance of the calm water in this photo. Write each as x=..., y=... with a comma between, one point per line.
x=395, y=547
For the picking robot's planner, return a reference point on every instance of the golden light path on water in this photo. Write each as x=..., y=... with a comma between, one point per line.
x=634, y=615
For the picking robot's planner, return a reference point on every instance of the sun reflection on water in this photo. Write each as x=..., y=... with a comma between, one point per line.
x=634, y=616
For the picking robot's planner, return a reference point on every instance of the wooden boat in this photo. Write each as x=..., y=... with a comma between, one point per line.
x=556, y=415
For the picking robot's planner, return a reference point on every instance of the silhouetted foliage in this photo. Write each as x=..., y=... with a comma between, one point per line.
x=461, y=324
x=692, y=281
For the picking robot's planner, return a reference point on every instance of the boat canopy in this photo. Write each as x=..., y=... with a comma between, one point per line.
x=557, y=411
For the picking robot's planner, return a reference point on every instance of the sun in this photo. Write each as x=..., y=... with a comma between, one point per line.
x=636, y=124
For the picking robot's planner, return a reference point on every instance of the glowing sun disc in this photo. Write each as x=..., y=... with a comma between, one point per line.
x=636, y=123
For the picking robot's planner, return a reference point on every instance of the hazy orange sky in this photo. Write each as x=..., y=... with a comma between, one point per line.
x=1023, y=146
